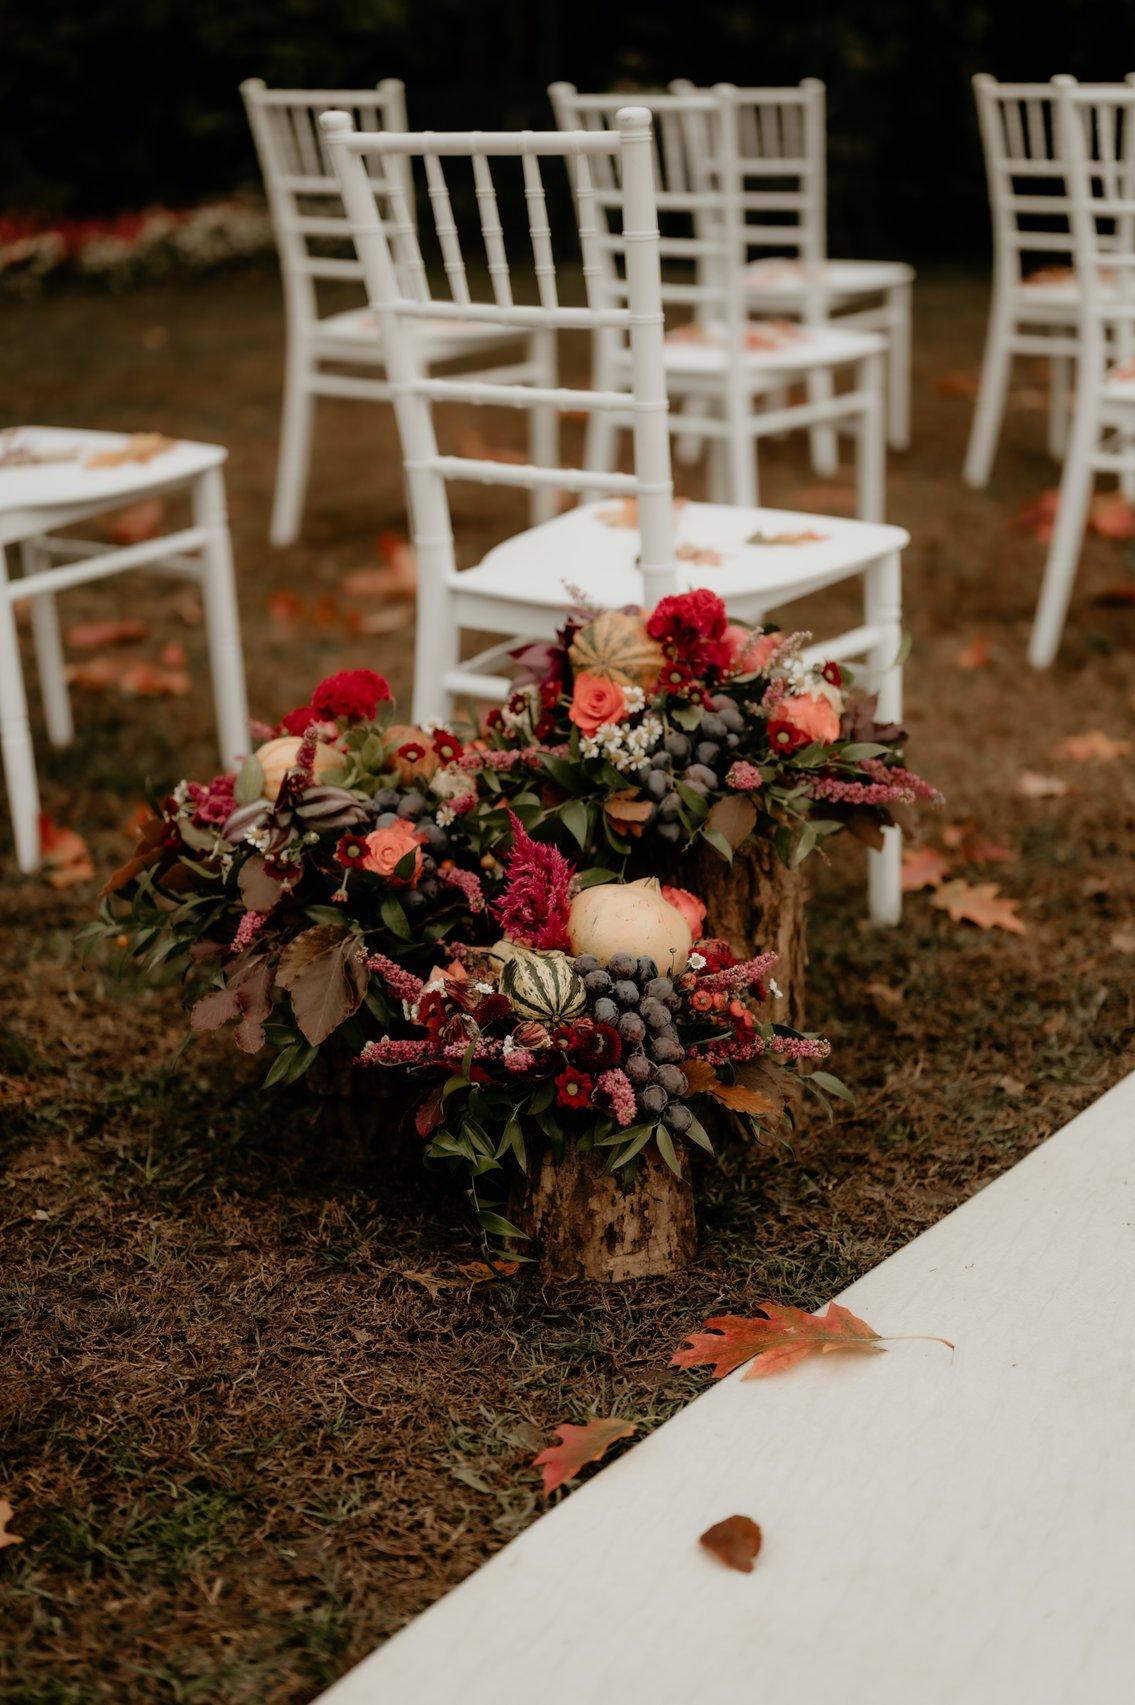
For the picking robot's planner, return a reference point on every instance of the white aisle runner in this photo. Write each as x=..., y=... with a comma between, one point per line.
x=938, y=1529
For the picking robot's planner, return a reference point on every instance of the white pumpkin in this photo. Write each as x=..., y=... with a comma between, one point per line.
x=630, y=917
x=277, y=757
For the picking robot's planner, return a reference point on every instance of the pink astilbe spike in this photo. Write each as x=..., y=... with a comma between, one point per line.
x=533, y=910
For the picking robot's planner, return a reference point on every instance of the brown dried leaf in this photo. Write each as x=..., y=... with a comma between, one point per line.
x=979, y=903
x=975, y=655
x=96, y=636
x=139, y=447
x=7, y=1537
x=738, y=1097
x=325, y=973
x=140, y=521
x=733, y=816
x=1122, y=940
x=734, y=1542
x=922, y=867
x=65, y=855
x=628, y=812
x=1093, y=747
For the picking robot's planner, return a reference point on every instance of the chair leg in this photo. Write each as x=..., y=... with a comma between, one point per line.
x=1067, y=535
x=543, y=428
x=883, y=610
x=437, y=650
x=871, y=450
x=822, y=440
x=1059, y=384
x=989, y=410
x=294, y=463
x=222, y=620
x=898, y=366
x=15, y=735
x=717, y=482
x=50, y=664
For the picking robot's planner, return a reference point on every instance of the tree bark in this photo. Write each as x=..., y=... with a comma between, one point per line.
x=757, y=906
x=585, y=1224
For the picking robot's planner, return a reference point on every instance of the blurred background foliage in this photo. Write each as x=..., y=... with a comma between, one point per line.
x=119, y=104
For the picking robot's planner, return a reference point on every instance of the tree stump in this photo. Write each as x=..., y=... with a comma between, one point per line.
x=757, y=906
x=586, y=1224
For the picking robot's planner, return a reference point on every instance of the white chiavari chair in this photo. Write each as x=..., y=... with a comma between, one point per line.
x=521, y=587
x=729, y=372
x=782, y=137
x=322, y=347
x=1097, y=139
x=53, y=478
x=1035, y=306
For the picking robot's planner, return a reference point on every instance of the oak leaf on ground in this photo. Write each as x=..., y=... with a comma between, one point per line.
x=777, y=1338
x=7, y=1537
x=979, y=903
x=738, y=1097
x=922, y=867
x=96, y=636
x=975, y=655
x=65, y=855
x=734, y=1541
x=1094, y=746
x=578, y=1446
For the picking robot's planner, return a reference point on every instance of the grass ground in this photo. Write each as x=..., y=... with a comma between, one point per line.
x=243, y=1438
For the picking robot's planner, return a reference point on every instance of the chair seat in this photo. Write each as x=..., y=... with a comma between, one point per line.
x=64, y=478
x=781, y=282
x=1119, y=386
x=441, y=339
x=777, y=348
x=546, y=567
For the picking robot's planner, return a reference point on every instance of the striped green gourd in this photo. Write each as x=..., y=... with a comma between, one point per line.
x=543, y=986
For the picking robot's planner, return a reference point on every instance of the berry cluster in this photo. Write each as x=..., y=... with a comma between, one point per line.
x=391, y=803
x=698, y=760
x=629, y=994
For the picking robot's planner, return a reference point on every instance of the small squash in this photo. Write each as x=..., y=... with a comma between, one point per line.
x=616, y=647
x=542, y=986
x=630, y=917
x=277, y=757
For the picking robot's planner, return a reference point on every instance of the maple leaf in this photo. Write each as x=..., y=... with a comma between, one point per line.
x=979, y=903
x=804, y=538
x=7, y=1537
x=138, y=522
x=1030, y=785
x=734, y=1541
x=578, y=1446
x=1112, y=517
x=975, y=655
x=738, y=1097
x=96, y=636
x=975, y=847
x=65, y=855
x=1095, y=746
x=957, y=383
x=153, y=681
x=922, y=867
x=624, y=513
x=701, y=555
x=777, y=1338
x=139, y=447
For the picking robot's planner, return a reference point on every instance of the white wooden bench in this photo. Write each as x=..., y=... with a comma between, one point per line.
x=938, y=1528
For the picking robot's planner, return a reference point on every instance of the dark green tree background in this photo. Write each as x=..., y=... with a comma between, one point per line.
x=121, y=103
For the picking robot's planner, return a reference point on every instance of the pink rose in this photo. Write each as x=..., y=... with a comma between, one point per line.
x=690, y=908
x=747, y=651
x=811, y=715
x=386, y=848
x=595, y=701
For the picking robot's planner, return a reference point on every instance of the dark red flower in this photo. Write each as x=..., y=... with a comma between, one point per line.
x=413, y=751
x=573, y=1089
x=718, y=955
x=447, y=746
x=674, y=676
x=785, y=737
x=596, y=1046
x=352, y=849
x=298, y=721
x=701, y=613
x=354, y=694
x=492, y=1009
x=832, y=674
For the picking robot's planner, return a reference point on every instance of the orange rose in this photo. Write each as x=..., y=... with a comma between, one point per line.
x=386, y=848
x=812, y=716
x=747, y=652
x=595, y=701
x=690, y=907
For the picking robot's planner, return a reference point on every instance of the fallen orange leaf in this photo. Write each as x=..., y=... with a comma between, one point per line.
x=140, y=521
x=151, y=681
x=65, y=855
x=1039, y=516
x=96, y=636
x=979, y=903
x=7, y=1537
x=624, y=513
x=1111, y=516
x=804, y=538
x=975, y=655
x=777, y=1338
x=922, y=867
x=1095, y=746
x=579, y=1446
x=957, y=384
x=700, y=555
x=139, y=447
x=734, y=1542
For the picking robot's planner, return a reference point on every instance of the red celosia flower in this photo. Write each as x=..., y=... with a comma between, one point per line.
x=298, y=721
x=573, y=1089
x=533, y=910
x=447, y=746
x=784, y=736
x=213, y=805
x=354, y=694
x=352, y=849
x=492, y=1009
x=718, y=955
x=692, y=627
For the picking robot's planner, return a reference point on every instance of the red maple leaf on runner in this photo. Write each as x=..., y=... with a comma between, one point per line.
x=777, y=1338
x=579, y=1446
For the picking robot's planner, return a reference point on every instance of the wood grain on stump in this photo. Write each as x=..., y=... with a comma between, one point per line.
x=586, y=1224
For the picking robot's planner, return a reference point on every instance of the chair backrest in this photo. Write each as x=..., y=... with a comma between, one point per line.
x=692, y=156
x=304, y=198
x=1025, y=167
x=1097, y=138
x=403, y=291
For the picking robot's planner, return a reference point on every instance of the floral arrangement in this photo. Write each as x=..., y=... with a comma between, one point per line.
x=268, y=893
x=650, y=730
x=131, y=245
x=596, y=1019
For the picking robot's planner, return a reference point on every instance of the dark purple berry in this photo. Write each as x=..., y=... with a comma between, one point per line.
x=653, y=1100
x=622, y=965
x=637, y=1068
x=666, y=1050
x=672, y=1079
x=631, y=1027
x=597, y=983
x=605, y=1011
x=677, y=1118
x=626, y=992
